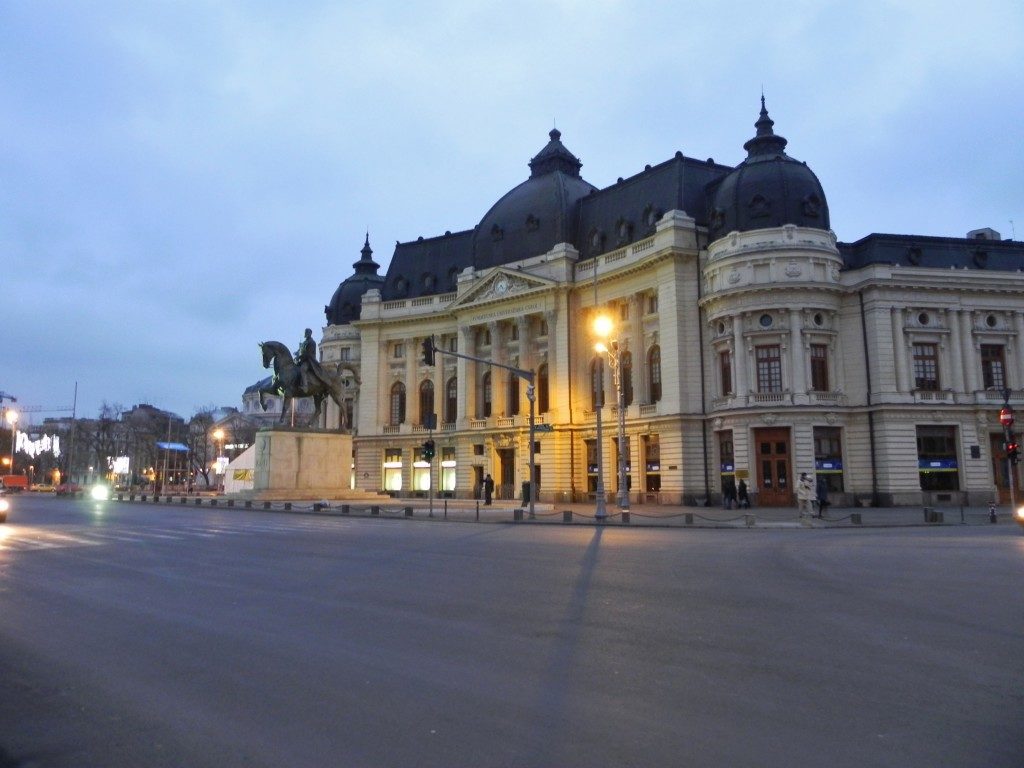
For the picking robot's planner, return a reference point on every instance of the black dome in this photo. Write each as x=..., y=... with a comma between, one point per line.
x=536, y=215
x=768, y=189
x=345, y=304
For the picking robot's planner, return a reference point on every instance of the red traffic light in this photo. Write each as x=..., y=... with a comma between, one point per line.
x=1006, y=416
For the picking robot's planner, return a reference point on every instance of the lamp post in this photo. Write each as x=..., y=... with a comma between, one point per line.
x=615, y=360
x=602, y=327
x=12, y=420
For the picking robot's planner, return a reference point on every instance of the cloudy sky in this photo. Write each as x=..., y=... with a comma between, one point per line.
x=181, y=180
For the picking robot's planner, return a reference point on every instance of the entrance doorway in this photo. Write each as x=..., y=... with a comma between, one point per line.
x=506, y=479
x=773, y=467
x=999, y=469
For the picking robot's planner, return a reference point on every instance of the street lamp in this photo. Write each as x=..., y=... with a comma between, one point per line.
x=218, y=439
x=615, y=360
x=602, y=327
x=12, y=420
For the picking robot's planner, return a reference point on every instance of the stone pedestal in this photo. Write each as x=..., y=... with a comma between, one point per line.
x=299, y=463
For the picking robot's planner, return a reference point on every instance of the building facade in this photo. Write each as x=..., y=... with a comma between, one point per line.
x=745, y=343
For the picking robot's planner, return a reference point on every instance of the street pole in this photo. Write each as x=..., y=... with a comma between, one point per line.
x=531, y=396
x=623, y=483
x=600, y=512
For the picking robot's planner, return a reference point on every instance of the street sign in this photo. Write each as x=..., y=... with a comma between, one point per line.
x=543, y=428
x=1006, y=416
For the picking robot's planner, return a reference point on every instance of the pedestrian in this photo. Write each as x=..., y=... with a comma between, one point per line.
x=805, y=496
x=741, y=495
x=822, y=496
x=488, y=488
x=728, y=493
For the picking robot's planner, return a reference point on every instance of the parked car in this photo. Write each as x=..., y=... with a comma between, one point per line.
x=5, y=505
x=43, y=488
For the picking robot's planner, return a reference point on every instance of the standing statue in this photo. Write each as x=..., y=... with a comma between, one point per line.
x=301, y=375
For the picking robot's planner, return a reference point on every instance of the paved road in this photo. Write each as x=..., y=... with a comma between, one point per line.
x=135, y=635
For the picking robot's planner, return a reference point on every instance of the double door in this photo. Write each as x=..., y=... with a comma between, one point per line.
x=774, y=467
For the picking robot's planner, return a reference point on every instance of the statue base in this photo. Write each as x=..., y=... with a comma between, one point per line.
x=294, y=463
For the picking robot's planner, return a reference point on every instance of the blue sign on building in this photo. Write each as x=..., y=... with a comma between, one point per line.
x=937, y=465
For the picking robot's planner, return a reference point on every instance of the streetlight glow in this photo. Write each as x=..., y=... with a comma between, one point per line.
x=603, y=326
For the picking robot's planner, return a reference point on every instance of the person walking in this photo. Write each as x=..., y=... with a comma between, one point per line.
x=741, y=495
x=822, y=496
x=805, y=496
x=488, y=488
x=728, y=493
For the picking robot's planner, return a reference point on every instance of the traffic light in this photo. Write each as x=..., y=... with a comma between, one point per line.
x=428, y=350
x=1012, y=450
x=428, y=450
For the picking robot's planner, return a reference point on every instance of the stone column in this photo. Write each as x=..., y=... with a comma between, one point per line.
x=970, y=357
x=466, y=372
x=497, y=379
x=899, y=351
x=739, y=361
x=1017, y=381
x=953, y=318
x=798, y=356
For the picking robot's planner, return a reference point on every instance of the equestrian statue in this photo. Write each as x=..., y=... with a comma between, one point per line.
x=301, y=376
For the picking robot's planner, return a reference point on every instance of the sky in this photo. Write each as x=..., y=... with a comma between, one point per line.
x=182, y=180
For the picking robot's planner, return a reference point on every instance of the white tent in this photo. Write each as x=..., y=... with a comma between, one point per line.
x=239, y=474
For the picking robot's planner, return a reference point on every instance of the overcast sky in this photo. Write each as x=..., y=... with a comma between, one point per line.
x=181, y=180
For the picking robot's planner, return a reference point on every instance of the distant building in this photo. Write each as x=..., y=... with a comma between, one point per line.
x=753, y=345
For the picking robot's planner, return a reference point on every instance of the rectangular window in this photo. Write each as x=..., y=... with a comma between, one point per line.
x=652, y=304
x=399, y=349
x=725, y=365
x=345, y=353
x=926, y=367
x=937, y=458
x=769, y=368
x=624, y=311
x=993, y=366
x=828, y=457
x=819, y=368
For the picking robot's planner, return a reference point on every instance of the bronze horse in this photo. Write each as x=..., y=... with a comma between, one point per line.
x=287, y=382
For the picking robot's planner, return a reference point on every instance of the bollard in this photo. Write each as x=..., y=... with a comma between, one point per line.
x=566, y=515
x=517, y=514
x=198, y=501
x=131, y=497
x=184, y=500
x=142, y=497
x=855, y=518
x=625, y=518
x=992, y=514
x=374, y=510
x=344, y=509
x=248, y=503
x=120, y=497
x=266, y=505
x=287, y=506
x=231, y=502
x=478, y=511
x=688, y=518
x=749, y=520
x=213, y=502
x=408, y=511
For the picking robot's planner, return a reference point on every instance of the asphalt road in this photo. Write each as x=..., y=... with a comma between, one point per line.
x=136, y=635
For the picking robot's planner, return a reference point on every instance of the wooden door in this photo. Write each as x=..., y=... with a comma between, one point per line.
x=774, y=467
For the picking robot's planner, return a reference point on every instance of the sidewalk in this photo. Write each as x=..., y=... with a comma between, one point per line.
x=640, y=515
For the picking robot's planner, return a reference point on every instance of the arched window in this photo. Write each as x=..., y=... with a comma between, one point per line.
x=426, y=400
x=626, y=377
x=397, y=403
x=654, y=372
x=451, y=400
x=485, y=395
x=542, y=389
x=513, y=396
x=596, y=383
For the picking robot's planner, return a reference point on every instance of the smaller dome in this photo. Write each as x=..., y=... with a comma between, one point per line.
x=347, y=300
x=768, y=189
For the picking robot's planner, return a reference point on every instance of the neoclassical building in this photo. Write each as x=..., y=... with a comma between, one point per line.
x=746, y=343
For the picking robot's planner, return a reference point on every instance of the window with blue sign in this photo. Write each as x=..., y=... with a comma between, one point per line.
x=937, y=463
x=828, y=457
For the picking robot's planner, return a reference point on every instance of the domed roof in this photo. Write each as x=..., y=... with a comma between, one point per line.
x=768, y=189
x=345, y=304
x=536, y=215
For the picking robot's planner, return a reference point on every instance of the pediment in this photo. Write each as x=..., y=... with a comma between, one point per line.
x=500, y=284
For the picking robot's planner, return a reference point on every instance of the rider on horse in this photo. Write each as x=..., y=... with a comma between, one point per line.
x=310, y=369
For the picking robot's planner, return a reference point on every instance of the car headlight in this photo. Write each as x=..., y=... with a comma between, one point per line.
x=100, y=492
x=1020, y=513
x=4, y=505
